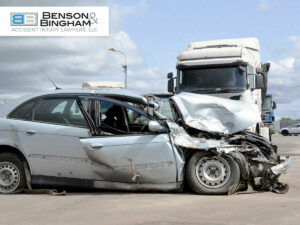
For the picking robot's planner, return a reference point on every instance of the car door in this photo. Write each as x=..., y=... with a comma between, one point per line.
x=51, y=138
x=297, y=129
x=293, y=129
x=125, y=150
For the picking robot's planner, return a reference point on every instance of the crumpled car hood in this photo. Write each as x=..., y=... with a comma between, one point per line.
x=214, y=114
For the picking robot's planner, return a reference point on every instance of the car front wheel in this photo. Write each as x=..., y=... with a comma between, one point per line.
x=211, y=174
x=12, y=176
x=285, y=133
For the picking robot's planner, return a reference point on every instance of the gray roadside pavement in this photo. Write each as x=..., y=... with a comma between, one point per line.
x=148, y=208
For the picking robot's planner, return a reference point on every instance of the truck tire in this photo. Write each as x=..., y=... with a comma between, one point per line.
x=285, y=133
x=211, y=174
x=12, y=175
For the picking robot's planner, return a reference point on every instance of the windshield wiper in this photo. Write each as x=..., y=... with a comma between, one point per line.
x=201, y=90
x=227, y=90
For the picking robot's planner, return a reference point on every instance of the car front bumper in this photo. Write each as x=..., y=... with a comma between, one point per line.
x=282, y=167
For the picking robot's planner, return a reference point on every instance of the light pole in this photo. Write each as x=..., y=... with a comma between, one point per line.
x=124, y=66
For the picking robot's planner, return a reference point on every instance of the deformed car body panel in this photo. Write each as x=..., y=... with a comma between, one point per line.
x=183, y=139
x=225, y=120
x=133, y=158
x=213, y=114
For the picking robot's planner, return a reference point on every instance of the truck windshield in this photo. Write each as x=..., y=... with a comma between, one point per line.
x=220, y=79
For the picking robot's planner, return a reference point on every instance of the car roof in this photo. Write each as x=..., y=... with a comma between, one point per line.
x=117, y=93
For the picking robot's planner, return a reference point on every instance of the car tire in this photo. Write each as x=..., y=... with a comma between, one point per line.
x=12, y=175
x=211, y=174
x=285, y=133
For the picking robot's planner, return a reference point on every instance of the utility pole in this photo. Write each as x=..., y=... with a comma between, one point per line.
x=123, y=66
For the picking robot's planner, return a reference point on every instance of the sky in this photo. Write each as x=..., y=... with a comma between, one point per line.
x=153, y=33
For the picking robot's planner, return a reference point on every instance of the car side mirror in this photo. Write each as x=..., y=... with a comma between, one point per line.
x=156, y=127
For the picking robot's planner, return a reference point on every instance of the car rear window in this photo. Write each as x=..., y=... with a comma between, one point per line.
x=22, y=111
x=59, y=111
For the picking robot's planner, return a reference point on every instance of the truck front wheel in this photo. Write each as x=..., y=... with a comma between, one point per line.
x=211, y=174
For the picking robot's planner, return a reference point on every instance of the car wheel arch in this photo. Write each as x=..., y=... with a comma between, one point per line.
x=285, y=131
x=19, y=153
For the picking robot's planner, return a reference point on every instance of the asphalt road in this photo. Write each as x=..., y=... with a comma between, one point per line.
x=288, y=145
x=124, y=208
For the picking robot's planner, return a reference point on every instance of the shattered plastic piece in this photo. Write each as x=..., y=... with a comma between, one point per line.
x=183, y=139
x=280, y=188
x=213, y=114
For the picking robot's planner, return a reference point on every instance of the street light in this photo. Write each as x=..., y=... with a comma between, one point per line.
x=124, y=66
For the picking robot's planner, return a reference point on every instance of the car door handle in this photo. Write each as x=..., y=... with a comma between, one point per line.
x=31, y=131
x=95, y=147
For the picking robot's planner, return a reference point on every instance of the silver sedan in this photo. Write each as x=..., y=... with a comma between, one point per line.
x=115, y=139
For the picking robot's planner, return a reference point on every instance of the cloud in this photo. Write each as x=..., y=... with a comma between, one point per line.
x=70, y=61
x=284, y=80
x=265, y=5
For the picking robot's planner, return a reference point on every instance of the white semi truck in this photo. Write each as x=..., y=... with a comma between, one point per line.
x=228, y=68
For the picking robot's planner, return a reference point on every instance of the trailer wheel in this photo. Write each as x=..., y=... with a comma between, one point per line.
x=211, y=174
x=12, y=175
x=285, y=133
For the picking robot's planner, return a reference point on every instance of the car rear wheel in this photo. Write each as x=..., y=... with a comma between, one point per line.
x=285, y=133
x=212, y=174
x=12, y=176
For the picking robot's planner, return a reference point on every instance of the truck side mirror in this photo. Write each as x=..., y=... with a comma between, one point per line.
x=274, y=105
x=170, y=82
x=259, y=70
x=259, y=81
x=251, y=81
x=171, y=85
x=256, y=81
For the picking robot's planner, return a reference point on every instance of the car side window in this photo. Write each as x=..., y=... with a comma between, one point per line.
x=137, y=123
x=22, y=111
x=112, y=118
x=59, y=111
x=117, y=119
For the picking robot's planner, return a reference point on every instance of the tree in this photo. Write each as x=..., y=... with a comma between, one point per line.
x=286, y=119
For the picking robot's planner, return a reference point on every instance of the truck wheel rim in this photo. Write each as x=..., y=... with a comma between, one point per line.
x=213, y=172
x=9, y=177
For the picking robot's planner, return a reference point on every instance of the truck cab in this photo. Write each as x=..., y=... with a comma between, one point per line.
x=228, y=68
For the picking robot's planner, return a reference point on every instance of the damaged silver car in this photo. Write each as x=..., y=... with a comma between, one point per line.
x=115, y=139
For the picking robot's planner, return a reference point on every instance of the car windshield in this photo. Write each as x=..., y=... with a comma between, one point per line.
x=205, y=80
x=164, y=107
